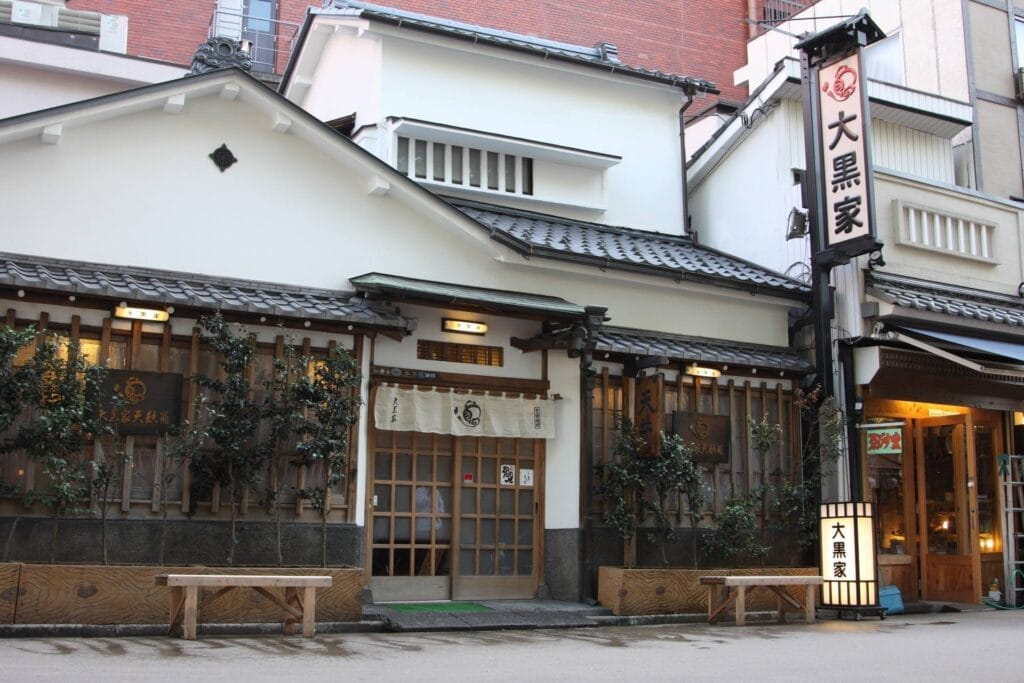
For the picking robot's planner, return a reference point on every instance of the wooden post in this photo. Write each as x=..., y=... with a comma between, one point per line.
x=741, y=605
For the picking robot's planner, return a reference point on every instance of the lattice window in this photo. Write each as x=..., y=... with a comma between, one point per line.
x=947, y=233
x=461, y=166
x=448, y=352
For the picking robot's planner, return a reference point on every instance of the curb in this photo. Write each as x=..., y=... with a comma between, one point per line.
x=160, y=630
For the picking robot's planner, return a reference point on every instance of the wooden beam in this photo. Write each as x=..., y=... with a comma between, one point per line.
x=190, y=413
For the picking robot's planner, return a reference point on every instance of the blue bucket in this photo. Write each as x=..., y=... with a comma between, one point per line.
x=891, y=599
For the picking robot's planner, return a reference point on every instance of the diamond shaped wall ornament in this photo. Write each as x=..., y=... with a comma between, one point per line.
x=223, y=157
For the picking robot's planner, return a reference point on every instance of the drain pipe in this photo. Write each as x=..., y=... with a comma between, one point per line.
x=689, y=91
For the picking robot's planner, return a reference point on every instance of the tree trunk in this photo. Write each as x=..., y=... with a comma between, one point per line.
x=10, y=538
x=53, y=534
x=232, y=541
x=323, y=513
x=694, y=521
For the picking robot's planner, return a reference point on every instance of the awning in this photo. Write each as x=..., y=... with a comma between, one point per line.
x=397, y=288
x=923, y=339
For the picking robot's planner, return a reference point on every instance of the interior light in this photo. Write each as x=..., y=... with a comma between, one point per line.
x=698, y=371
x=149, y=314
x=463, y=326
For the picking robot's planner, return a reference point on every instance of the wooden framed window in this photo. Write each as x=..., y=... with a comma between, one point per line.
x=473, y=354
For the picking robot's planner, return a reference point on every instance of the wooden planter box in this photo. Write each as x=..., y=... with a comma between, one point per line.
x=634, y=592
x=96, y=594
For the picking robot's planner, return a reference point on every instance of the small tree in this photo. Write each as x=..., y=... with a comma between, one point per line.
x=735, y=536
x=236, y=459
x=64, y=410
x=14, y=383
x=331, y=395
x=184, y=445
x=286, y=411
x=764, y=438
x=635, y=486
x=105, y=476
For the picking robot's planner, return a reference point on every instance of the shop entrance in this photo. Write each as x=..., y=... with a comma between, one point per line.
x=454, y=517
x=947, y=508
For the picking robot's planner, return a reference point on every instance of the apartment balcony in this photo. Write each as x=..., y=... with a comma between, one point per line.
x=270, y=40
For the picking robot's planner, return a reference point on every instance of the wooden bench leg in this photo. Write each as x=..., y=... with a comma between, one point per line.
x=191, y=611
x=177, y=607
x=291, y=597
x=782, y=607
x=309, y=611
x=809, y=600
x=741, y=605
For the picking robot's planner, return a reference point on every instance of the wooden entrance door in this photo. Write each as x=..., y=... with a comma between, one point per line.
x=454, y=518
x=947, y=509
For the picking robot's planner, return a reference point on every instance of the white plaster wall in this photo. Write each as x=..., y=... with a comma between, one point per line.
x=390, y=353
x=562, y=454
x=347, y=79
x=1002, y=275
x=743, y=206
x=580, y=108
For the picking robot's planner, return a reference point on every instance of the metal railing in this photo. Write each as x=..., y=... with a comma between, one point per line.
x=774, y=11
x=270, y=40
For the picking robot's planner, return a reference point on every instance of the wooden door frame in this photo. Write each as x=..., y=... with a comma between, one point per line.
x=965, y=492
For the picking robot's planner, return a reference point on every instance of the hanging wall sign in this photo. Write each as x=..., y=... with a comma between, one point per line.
x=448, y=412
x=141, y=402
x=708, y=435
x=884, y=440
x=844, y=131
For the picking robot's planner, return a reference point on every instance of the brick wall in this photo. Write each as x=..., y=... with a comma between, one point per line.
x=701, y=38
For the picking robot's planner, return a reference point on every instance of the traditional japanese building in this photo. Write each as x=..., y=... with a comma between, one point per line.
x=493, y=224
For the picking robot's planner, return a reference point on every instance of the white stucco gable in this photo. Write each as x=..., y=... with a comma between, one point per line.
x=129, y=179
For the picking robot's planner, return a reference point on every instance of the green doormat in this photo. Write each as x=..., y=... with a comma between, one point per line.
x=438, y=607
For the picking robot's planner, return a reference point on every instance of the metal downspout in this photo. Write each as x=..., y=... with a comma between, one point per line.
x=689, y=90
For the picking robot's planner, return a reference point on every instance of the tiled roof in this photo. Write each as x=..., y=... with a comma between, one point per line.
x=698, y=349
x=482, y=34
x=624, y=248
x=961, y=302
x=190, y=290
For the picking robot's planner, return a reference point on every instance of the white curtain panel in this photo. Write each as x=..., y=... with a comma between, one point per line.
x=447, y=412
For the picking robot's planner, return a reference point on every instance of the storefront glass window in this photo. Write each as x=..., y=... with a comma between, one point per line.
x=885, y=448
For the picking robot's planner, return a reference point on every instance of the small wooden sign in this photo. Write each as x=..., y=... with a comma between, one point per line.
x=141, y=402
x=709, y=435
x=650, y=413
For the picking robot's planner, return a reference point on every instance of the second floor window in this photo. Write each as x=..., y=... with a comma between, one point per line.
x=462, y=166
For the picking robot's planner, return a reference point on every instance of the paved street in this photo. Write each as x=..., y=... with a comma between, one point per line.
x=974, y=646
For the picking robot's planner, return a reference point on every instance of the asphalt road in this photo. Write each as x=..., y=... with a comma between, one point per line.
x=971, y=646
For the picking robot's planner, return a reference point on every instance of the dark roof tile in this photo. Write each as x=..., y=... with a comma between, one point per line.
x=609, y=246
x=699, y=349
x=960, y=302
x=185, y=289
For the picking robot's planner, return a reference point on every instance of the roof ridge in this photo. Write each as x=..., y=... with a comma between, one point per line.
x=592, y=52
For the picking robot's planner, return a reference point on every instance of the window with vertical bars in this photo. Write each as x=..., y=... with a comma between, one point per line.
x=460, y=353
x=461, y=166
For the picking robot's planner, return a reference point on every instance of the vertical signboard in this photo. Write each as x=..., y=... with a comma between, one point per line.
x=650, y=413
x=846, y=156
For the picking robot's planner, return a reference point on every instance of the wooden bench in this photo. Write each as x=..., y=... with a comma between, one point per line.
x=717, y=602
x=298, y=608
